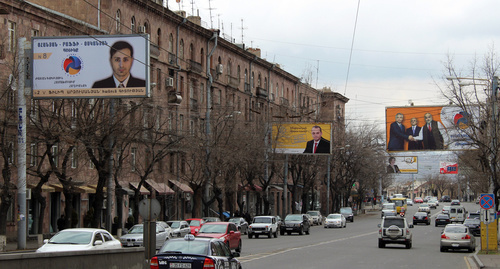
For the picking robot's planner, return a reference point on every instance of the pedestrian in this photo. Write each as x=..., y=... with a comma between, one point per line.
x=61, y=223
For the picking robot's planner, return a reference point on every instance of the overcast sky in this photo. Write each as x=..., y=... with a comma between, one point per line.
x=398, y=50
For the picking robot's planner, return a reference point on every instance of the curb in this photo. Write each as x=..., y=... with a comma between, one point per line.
x=477, y=260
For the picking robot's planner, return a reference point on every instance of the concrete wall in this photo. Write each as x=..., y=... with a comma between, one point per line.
x=132, y=258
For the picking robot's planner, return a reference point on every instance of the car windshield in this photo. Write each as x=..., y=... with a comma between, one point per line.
x=185, y=247
x=261, y=220
x=293, y=217
x=398, y=202
x=174, y=224
x=234, y=220
x=213, y=229
x=333, y=216
x=472, y=221
x=312, y=213
x=442, y=217
x=71, y=237
x=424, y=205
x=194, y=223
x=346, y=210
x=420, y=214
x=137, y=229
x=455, y=229
x=398, y=222
x=447, y=207
x=386, y=206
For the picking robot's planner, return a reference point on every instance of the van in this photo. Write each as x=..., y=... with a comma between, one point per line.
x=401, y=206
x=457, y=214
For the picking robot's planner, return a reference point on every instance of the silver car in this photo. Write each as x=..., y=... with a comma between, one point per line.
x=134, y=237
x=457, y=236
x=335, y=220
x=179, y=227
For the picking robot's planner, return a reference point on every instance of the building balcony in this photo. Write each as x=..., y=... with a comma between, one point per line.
x=233, y=82
x=261, y=92
x=284, y=101
x=172, y=59
x=195, y=67
x=247, y=88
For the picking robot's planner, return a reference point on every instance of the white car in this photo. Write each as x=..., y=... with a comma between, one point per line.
x=263, y=225
x=80, y=239
x=409, y=202
x=179, y=227
x=134, y=237
x=335, y=220
x=167, y=227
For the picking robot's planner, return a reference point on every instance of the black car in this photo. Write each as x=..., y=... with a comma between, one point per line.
x=195, y=253
x=474, y=226
x=347, y=212
x=421, y=217
x=295, y=223
x=455, y=202
x=445, y=198
x=442, y=219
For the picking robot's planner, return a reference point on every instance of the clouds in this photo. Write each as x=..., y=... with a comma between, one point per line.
x=399, y=46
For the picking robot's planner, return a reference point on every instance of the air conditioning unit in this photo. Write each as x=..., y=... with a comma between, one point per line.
x=28, y=194
x=219, y=68
x=141, y=29
x=169, y=82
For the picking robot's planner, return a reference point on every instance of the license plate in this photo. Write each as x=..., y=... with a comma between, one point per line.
x=130, y=244
x=180, y=265
x=455, y=245
x=289, y=228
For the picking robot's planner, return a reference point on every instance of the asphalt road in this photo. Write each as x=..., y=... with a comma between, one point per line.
x=353, y=247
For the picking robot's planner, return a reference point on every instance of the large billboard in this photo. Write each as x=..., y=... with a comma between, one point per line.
x=402, y=164
x=302, y=138
x=427, y=128
x=90, y=66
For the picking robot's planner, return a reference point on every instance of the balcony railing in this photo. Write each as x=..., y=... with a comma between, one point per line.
x=261, y=92
x=171, y=58
x=195, y=67
x=247, y=88
x=284, y=101
x=233, y=82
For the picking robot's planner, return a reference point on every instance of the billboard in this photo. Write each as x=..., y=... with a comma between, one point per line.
x=448, y=168
x=302, y=138
x=402, y=164
x=90, y=66
x=427, y=128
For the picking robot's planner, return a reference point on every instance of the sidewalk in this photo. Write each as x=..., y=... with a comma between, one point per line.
x=484, y=261
x=31, y=245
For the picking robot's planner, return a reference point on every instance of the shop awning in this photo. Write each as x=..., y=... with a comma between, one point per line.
x=250, y=188
x=45, y=187
x=125, y=186
x=183, y=187
x=160, y=187
x=78, y=189
x=135, y=185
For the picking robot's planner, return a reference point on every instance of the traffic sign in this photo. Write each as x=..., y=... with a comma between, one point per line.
x=487, y=201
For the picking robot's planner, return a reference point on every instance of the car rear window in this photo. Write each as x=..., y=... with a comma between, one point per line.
x=398, y=222
x=186, y=247
x=455, y=229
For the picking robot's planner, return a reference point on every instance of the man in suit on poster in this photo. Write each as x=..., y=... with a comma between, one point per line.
x=414, y=131
x=431, y=135
x=121, y=58
x=397, y=135
x=318, y=144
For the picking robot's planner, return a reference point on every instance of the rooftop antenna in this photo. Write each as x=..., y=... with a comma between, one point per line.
x=192, y=7
x=242, y=30
x=210, y=10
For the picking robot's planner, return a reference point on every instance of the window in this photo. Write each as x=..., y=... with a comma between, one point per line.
x=191, y=127
x=33, y=154
x=35, y=32
x=55, y=154
x=202, y=92
x=171, y=43
x=12, y=36
x=74, y=158
x=181, y=49
x=181, y=122
x=118, y=20
x=191, y=52
x=34, y=110
x=10, y=152
x=158, y=38
x=133, y=153
x=132, y=25
x=202, y=58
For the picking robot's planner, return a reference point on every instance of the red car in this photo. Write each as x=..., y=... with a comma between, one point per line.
x=195, y=225
x=418, y=200
x=227, y=231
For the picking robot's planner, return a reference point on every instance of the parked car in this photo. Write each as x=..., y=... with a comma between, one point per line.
x=442, y=219
x=394, y=230
x=167, y=227
x=295, y=223
x=335, y=220
x=455, y=202
x=421, y=217
x=179, y=227
x=348, y=214
x=212, y=219
x=195, y=252
x=457, y=236
x=317, y=217
x=409, y=202
x=418, y=200
x=263, y=225
x=134, y=237
x=310, y=218
x=445, y=198
x=195, y=224
x=474, y=226
x=424, y=208
x=226, y=231
x=75, y=239
x=241, y=223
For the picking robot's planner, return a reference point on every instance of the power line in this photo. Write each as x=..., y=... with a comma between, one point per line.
x=352, y=45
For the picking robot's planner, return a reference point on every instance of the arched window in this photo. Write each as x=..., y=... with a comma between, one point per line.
x=246, y=75
x=265, y=83
x=132, y=25
x=191, y=52
x=171, y=43
x=238, y=73
x=146, y=28
x=259, y=81
x=181, y=49
x=158, y=37
x=202, y=58
x=252, y=80
x=118, y=19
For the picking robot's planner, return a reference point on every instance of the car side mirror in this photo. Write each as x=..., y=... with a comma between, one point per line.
x=98, y=243
x=45, y=241
x=410, y=225
x=231, y=232
x=378, y=226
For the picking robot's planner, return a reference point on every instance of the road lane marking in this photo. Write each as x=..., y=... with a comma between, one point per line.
x=258, y=256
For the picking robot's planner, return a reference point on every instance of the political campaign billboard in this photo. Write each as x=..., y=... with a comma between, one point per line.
x=402, y=164
x=302, y=138
x=114, y=66
x=417, y=128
